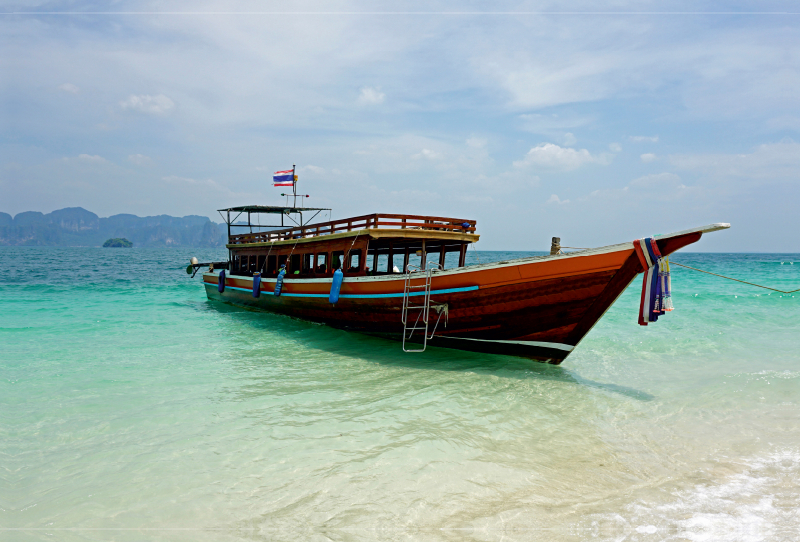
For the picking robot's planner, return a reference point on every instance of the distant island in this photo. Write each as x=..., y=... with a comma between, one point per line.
x=77, y=227
x=118, y=242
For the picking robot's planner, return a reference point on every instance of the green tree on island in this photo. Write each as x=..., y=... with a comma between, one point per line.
x=118, y=242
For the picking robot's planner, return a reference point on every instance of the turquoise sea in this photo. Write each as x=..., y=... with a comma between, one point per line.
x=132, y=408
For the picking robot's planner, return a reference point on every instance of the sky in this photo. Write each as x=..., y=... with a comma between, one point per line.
x=595, y=122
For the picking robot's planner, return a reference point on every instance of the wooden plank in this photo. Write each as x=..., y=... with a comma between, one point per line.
x=365, y=221
x=621, y=279
x=372, y=234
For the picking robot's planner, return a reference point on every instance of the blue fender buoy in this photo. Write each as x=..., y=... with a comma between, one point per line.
x=221, y=285
x=336, y=285
x=279, y=282
x=257, y=285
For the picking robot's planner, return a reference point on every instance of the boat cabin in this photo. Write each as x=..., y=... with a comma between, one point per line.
x=368, y=245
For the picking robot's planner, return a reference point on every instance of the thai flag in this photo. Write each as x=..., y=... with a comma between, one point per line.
x=283, y=178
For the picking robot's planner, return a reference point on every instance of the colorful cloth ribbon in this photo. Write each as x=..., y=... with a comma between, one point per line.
x=656, y=296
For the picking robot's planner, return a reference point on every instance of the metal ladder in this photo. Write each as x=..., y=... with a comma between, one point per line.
x=417, y=317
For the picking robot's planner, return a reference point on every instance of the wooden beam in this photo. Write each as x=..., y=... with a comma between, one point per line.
x=372, y=233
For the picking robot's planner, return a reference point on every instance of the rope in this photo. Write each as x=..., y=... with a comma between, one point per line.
x=289, y=257
x=737, y=280
x=475, y=250
x=351, y=248
x=267, y=259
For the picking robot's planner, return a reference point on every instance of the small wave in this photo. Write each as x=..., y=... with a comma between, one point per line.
x=757, y=504
x=766, y=374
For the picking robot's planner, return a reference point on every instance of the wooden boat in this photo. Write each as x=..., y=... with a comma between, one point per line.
x=538, y=307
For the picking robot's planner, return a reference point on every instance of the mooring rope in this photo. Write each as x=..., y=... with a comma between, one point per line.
x=346, y=254
x=475, y=251
x=266, y=260
x=737, y=280
x=292, y=252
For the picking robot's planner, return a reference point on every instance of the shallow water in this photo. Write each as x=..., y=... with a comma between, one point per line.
x=133, y=408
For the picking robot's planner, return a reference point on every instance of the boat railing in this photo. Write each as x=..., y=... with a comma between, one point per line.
x=419, y=222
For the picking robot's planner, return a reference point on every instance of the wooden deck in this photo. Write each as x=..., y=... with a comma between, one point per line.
x=411, y=224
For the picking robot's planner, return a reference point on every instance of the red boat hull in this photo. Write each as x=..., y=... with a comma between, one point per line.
x=537, y=308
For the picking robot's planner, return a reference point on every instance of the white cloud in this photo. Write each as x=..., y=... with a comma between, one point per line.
x=139, y=159
x=370, y=95
x=569, y=139
x=209, y=183
x=555, y=199
x=614, y=147
x=768, y=162
x=69, y=87
x=643, y=139
x=656, y=180
x=783, y=122
x=434, y=68
x=187, y=180
x=648, y=157
x=658, y=187
x=316, y=170
x=552, y=124
x=550, y=155
x=427, y=153
x=145, y=103
x=95, y=159
x=476, y=142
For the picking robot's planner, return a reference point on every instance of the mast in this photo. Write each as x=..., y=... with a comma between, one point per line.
x=294, y=186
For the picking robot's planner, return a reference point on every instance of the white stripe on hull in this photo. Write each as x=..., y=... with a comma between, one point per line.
x=558, y=346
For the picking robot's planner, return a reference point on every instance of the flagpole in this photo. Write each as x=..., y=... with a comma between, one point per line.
x=294, y=188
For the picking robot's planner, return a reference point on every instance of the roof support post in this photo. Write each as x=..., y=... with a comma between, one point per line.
x=390, y=264
x=424, y=258
x=362, y=259
x=462, y=255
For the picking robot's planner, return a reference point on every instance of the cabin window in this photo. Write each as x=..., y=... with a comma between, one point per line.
x=322, y=262
x=308, y=263
x=272, y=264
x=354, y=265
x=253, y=264
x=282, y=261
x=379, y=264
x=451, y=259
x=294, y=265
x=260, y=264
x=336, y=259
x=415, y=257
